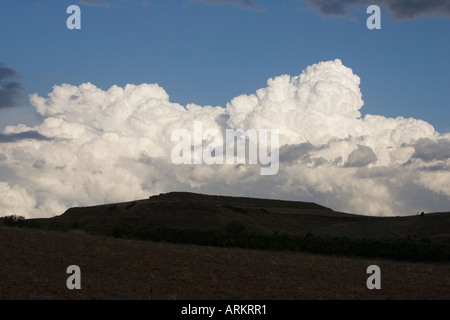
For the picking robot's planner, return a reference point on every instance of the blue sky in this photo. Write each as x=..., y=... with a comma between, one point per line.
x=209, y=53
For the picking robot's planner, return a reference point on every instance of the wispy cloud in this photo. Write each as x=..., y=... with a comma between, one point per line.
x=10, y=88
x=110, y=3
x=244, y=4
x=401, y=9
x=96, y=3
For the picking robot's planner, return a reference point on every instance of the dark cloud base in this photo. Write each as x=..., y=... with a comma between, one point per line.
x=29, y=135
x=401, y=9
x=10, y=88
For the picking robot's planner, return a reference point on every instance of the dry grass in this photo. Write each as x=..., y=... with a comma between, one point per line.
x=33, y=266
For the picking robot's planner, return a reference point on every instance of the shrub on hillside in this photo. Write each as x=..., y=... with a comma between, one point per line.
x=14, y=221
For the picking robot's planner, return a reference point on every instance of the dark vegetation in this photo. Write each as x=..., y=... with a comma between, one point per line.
x=14, y=221
x=236, y=236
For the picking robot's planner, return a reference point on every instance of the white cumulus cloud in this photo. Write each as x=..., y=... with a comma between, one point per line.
x=96, y=146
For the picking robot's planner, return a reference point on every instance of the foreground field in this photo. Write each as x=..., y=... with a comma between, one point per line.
x=33, y=265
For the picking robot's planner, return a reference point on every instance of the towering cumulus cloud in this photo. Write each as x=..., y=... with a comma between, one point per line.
x=97, y=146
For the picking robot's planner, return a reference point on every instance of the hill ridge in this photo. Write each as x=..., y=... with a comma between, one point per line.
x=193, y=211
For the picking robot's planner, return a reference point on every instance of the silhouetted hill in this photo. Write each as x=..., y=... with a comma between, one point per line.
x=183, y=210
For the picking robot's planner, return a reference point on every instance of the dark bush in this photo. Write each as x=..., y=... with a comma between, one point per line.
x=14, y=221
